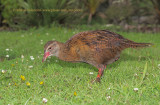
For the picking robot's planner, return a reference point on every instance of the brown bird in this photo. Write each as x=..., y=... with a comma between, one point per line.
x=98, y=48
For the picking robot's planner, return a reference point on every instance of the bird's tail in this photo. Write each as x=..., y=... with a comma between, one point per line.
x=131, y=44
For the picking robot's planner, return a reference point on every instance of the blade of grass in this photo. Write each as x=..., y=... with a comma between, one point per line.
x=144, y=74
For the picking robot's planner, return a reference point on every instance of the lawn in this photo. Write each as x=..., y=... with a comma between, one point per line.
x=24, y=79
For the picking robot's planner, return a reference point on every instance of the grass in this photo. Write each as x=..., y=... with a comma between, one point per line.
x=70, y=83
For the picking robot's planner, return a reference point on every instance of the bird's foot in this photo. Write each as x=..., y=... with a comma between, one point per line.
x=97, y=80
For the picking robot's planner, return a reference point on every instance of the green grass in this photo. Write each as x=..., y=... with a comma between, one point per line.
x=135, y=69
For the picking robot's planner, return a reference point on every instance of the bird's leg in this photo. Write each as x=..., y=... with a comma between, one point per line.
x=100, y=73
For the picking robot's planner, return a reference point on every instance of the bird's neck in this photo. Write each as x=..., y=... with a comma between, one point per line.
x=67, y=54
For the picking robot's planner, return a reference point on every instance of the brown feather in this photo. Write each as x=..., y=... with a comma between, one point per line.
x=98, y=48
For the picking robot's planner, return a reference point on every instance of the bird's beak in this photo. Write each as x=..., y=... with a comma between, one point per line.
x=46, y=54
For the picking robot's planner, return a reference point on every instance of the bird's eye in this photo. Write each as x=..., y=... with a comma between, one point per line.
x=49, y=48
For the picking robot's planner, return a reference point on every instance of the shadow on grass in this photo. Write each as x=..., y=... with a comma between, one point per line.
x=66, y=64
x=123, y=57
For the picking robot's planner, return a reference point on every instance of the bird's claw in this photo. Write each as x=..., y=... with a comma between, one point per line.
x=97, y=80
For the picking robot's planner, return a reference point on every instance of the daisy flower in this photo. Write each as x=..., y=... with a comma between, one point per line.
x=108, y=97
x=135, y=89
x=7, y=56
x=7, y=49
x=22, y=56
x=4, y=71
x=90, y=73
x=44, y=100
x=30, y=66
x=31, y=57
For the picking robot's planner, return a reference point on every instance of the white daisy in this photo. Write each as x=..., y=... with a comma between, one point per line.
x=90, y=73
x=108, y=97
x=135, y=89
x=44, y=100
x=7, y=49
x=4, y=71
x=30, y=66
x=7, y=56
x=32, y=58
x=22, y=56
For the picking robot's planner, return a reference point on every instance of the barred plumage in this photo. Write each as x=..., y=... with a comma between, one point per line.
x=98, y=48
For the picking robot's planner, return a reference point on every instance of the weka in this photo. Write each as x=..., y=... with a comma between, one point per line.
x=98, y=48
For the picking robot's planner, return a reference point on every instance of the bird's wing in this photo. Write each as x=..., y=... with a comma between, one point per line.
x=97, y=40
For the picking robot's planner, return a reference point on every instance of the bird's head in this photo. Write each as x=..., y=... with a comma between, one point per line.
x=51, y=48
